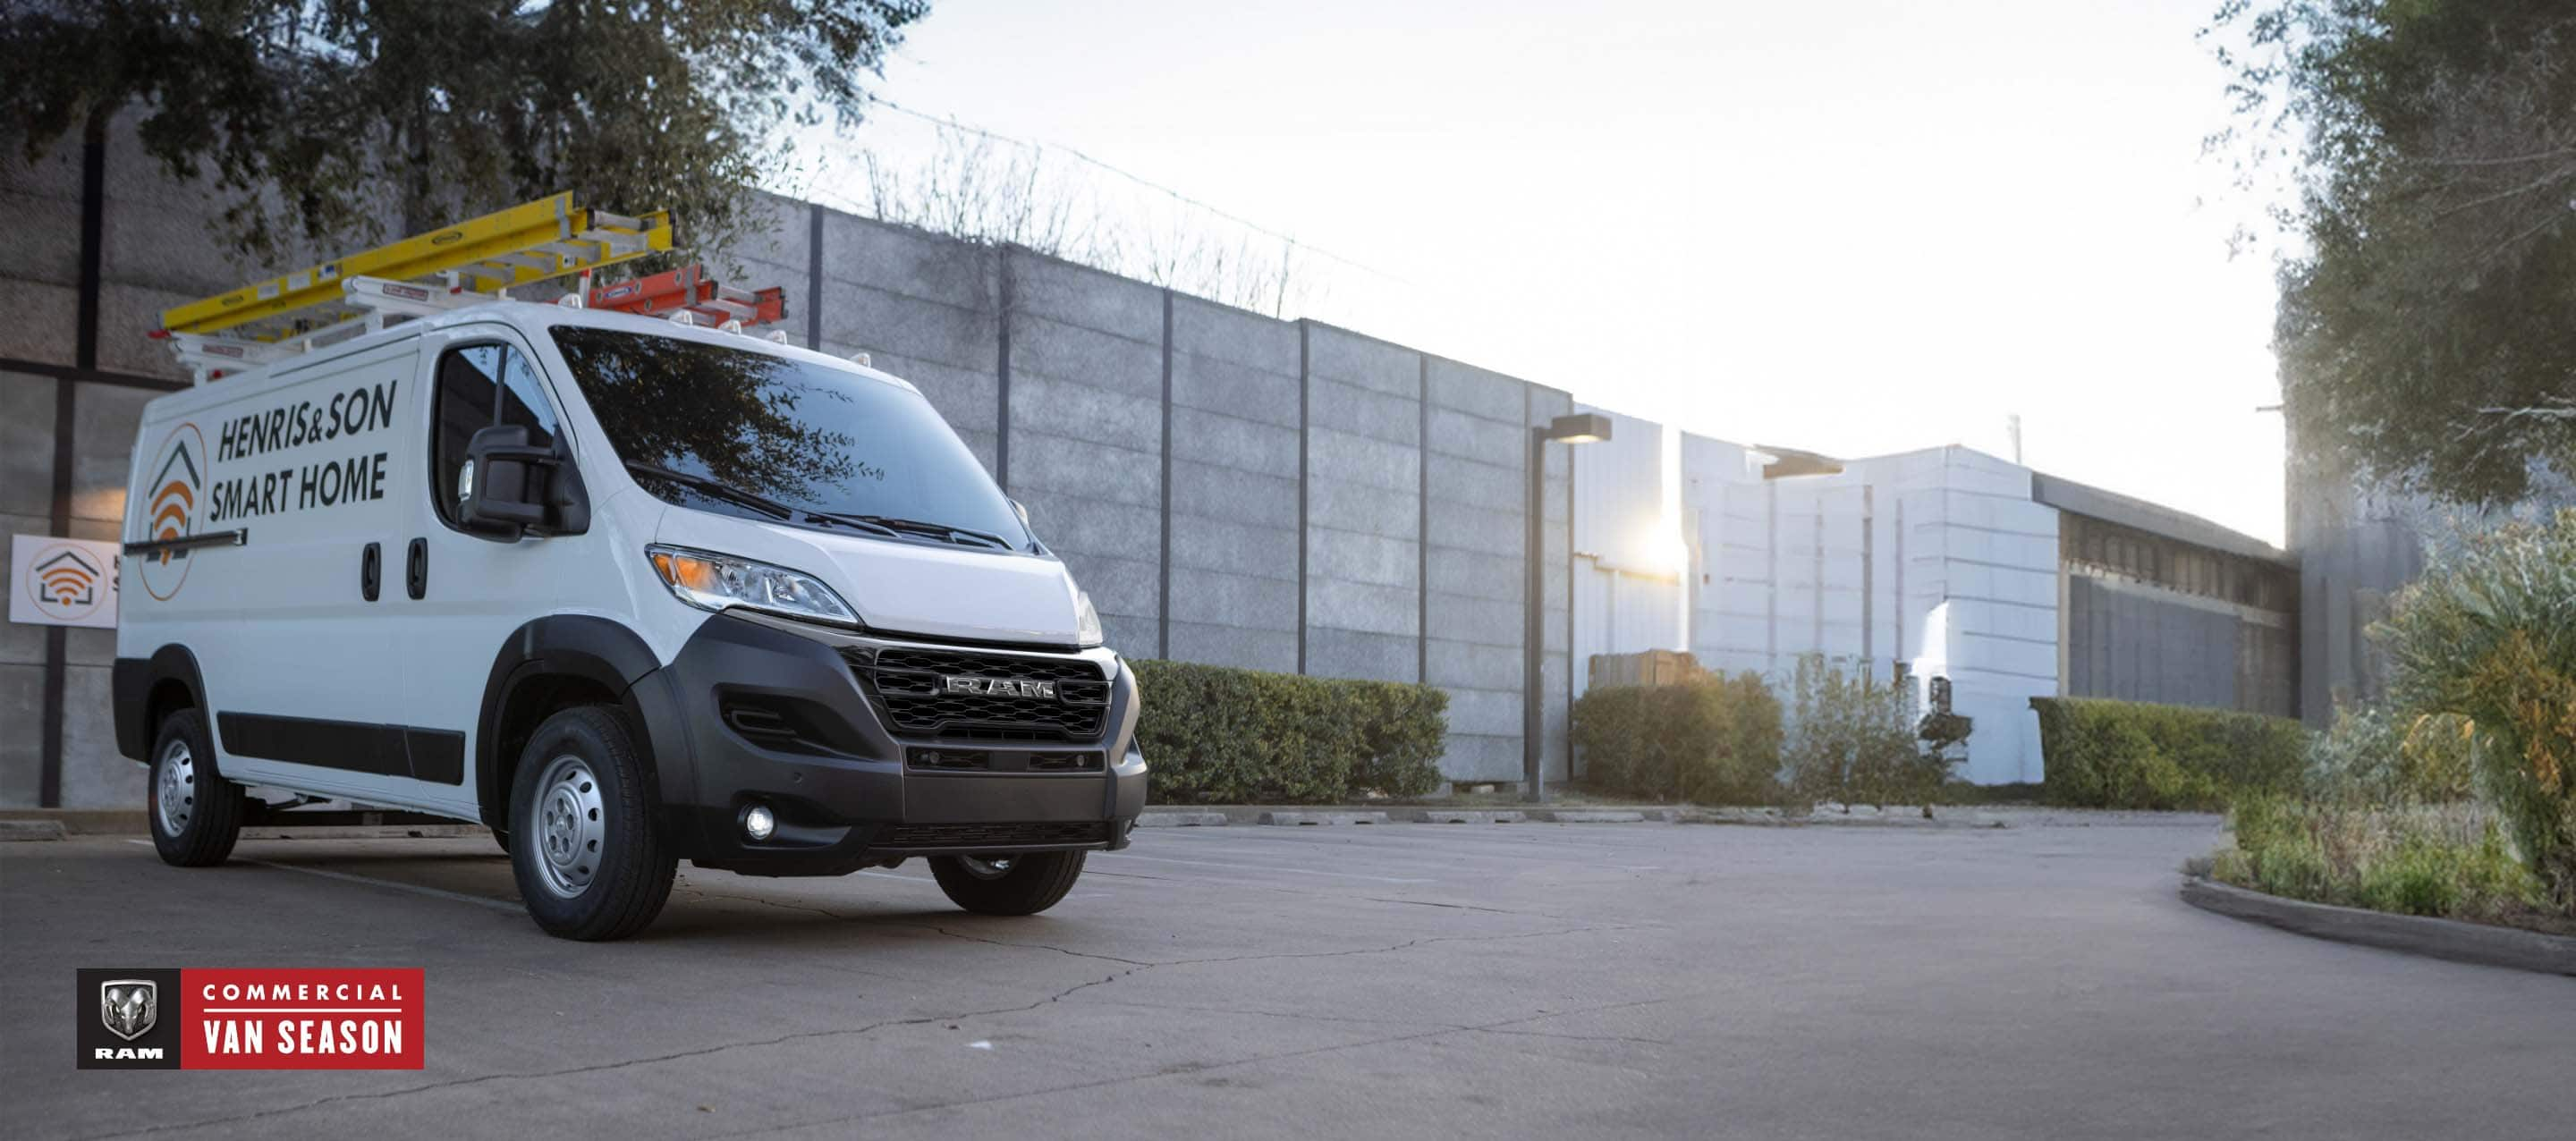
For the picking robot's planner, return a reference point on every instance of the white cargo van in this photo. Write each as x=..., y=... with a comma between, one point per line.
x=627, y=591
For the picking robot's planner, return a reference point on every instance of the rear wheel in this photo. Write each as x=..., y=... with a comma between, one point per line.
x=196, y=813
x=589, y=862
x=1022, y=884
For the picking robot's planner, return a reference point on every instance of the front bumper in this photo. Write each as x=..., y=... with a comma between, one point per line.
x=760, y=710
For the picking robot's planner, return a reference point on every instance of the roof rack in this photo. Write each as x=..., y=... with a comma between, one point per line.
x=464, y=264
x=688, y=296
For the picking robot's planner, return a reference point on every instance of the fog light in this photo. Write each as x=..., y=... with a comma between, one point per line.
x=757, y=823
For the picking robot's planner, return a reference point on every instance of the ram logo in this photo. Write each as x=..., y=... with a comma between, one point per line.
x=178, y=482
x=1000, y=687
x=129, y=1007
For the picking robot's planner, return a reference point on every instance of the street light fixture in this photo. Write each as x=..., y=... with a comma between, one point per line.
x=1580, y=428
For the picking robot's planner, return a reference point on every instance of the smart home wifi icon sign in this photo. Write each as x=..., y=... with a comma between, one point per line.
x=62, y=582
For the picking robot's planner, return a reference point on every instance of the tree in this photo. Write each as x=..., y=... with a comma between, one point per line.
x=2427, y=328
x=314, y=116
x=989, y=190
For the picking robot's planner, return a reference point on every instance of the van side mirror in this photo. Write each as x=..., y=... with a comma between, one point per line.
x=502, y=492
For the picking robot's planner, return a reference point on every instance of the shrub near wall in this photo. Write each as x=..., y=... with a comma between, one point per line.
x=2488, y=636
x=2102, y=753
x=1217, y=735
x=1712, y=740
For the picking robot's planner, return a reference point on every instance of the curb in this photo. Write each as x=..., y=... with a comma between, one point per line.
x=1313, y=818
x=1589, y=815
x=2414, y=934
x=1180, y=820
x=18, y=830
x=71, y=822
x=1467, y=816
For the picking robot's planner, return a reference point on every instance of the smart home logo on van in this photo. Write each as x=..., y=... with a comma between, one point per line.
x=176, y=484
x=67, y=582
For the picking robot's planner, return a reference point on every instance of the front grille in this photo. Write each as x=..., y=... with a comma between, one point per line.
x=909, y=686
x=994, y=835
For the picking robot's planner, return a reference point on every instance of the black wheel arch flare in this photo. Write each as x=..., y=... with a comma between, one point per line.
x=132, y=683
x=589, y=649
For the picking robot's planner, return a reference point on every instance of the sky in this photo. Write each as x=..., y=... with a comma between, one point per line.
x=1854, y=228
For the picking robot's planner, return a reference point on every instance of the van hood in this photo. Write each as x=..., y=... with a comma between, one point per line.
x=901, y=587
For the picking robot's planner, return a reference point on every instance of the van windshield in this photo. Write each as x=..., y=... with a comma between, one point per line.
x=746, y=433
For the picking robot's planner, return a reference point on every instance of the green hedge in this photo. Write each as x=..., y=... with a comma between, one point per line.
x=1218, y=735
x=2102, y=753
x=1714, y=740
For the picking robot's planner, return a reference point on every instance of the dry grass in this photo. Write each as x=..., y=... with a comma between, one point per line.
x=2449, y=860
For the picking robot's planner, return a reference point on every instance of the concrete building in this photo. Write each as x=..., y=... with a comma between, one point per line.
x=1943, y=563
x=1629, y=557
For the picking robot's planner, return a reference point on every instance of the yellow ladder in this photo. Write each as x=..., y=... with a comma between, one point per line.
x=547, y=238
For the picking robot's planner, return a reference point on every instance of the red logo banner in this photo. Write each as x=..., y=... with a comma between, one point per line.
x=322, y=1018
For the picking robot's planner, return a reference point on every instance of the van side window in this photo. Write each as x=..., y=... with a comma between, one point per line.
x=480, y=386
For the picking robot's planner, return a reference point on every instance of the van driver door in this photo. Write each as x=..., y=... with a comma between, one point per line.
x=466, y=594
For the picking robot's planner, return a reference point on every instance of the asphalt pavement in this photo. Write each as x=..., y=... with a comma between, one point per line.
x=1590, y=980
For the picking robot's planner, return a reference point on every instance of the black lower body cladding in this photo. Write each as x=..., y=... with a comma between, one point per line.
x=754, y=712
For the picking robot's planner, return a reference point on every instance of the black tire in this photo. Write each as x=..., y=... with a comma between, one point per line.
x=1034, y=882
x=612, y=883
x=204, y=815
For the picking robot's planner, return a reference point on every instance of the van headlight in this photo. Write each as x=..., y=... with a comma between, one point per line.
x=1086, y=621
x=711, y=581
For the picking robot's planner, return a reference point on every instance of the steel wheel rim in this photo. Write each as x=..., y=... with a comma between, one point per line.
x=987, y=867
x=174, y=791
x=572, y=826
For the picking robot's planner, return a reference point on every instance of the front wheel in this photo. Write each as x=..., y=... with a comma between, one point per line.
x=1022, y=884
x=589, y=862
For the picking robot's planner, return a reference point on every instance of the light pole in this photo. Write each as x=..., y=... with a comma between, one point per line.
x=1580, y=428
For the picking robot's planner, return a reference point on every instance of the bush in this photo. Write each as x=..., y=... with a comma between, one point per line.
x=1214, y=734
x=2488, y=634
x=2127, y=754
x=1856, y=741
x=2442, y=860
x=1711, y=740
x=2375, y=755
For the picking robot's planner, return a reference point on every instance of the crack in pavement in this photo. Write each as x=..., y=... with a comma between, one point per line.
x=852, y=1032
x=960, y=935
x=1302, y=1016
x=1348, y=898
x=1185, y=1068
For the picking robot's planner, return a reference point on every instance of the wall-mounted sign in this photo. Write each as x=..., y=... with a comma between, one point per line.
x=62, y=582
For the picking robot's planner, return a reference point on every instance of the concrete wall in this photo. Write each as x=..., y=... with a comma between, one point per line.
x=64, y=443
x=2356, y=543
x=2139, y=642
x=1230, y=488
x=2355, y=551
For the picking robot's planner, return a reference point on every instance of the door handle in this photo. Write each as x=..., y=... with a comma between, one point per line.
x=416, y=569
x=371, y=568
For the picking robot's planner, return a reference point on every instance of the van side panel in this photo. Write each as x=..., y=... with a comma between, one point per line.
x=309, y=464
